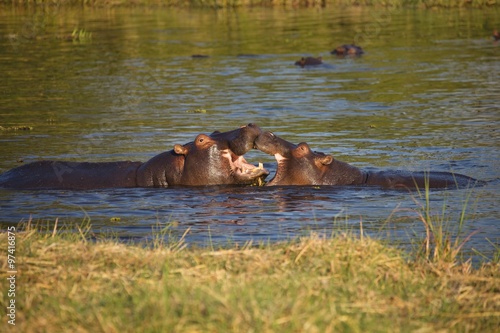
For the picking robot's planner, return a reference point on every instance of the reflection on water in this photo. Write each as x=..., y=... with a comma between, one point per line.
x=424, y=96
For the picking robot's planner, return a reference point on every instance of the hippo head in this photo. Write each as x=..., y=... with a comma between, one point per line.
x=240, y=140
x=297, y=164
x=218, y=158
x=309, y=61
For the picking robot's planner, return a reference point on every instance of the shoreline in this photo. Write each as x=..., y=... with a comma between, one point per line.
x=64, y=282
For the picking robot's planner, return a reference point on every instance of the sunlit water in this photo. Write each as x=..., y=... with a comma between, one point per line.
x=425, y=96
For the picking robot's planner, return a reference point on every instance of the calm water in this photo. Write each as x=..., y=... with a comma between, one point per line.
x=425, y=96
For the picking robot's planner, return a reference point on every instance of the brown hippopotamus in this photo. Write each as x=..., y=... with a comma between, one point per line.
x=496, y=35
x=299, y=165
x=309, y=61
x=208, y=160
x=348, y=50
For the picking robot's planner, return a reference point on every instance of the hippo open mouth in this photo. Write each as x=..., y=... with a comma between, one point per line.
x=245, y=171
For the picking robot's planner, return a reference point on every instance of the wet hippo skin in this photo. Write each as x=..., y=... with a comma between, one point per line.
x=208, y=160
x=347, y=50
x=309, y=61
x=299, y=165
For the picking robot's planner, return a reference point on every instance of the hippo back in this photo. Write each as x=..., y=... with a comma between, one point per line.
x=420, y=179
x=70, y=175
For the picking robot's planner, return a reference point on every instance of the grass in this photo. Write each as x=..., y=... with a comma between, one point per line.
x=67, y=283
x=441, y=243
x=267, y=3
x=444, y=235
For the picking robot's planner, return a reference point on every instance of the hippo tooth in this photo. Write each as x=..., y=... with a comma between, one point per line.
x=261, y=166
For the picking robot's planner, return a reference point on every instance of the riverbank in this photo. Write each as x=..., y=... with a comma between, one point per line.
x=66, y=282
x=268, y=3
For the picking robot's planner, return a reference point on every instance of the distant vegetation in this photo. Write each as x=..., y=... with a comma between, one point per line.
x=285, y=3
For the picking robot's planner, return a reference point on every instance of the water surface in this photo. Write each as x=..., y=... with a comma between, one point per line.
x=423, y=97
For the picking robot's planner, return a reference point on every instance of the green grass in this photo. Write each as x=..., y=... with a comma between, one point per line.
x=267, y=3
x=444, y=235
x=67, y=283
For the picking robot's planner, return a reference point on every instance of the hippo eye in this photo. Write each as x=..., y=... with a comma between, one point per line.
x=200, y=140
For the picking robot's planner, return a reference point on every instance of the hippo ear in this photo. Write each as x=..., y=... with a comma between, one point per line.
x=303, y=146
x=327, y=159
x=302, y=149
x=202, y=140
x=180, y=150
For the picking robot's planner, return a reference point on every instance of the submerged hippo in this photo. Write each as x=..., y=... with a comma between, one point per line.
x=309, y=61
x=208, y=160
x=348, y=50
x=299, y=165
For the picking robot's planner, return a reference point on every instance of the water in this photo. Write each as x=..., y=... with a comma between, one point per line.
x=423, y=97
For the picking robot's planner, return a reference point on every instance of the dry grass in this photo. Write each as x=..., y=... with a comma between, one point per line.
x=70, y=284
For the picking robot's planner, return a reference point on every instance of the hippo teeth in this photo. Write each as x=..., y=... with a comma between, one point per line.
x=251, y=169
x=257, y=168
x=247, y=171
x=242, y=167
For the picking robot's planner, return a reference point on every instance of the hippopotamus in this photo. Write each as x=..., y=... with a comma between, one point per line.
x=309, y=61
x=214, y=159
x=299, y=165
x=348, y=50
x=496, y=35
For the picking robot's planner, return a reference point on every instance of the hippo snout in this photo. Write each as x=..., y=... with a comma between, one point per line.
x=271, y=144
x=242, y=140
x=264, y=143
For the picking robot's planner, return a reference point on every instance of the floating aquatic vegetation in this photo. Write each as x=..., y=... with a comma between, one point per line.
x=81, y=35
x=16, y=128
x=196, y=111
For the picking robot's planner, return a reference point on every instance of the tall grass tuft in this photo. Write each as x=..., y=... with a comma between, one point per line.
x=163, y=237
x=444, y=233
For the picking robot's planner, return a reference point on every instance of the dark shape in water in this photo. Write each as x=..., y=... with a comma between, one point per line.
x=309, y=61
x=200, y=56
x=348, y=50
